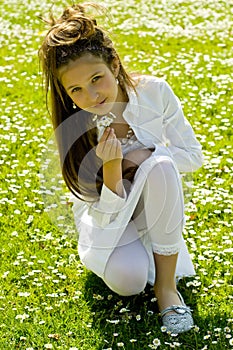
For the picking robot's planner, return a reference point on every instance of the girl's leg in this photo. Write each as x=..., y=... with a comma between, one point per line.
x=127, y=268
x=163, y=212
x=165, y=286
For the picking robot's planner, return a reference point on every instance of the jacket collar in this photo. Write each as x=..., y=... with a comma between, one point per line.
x=132, y=107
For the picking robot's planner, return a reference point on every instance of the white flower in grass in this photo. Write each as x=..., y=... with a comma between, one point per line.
x=54, y=336
x=227, y=329
x=5, y=274
x=98, y=297
x=41, y=261
x=231, y=341
x=156, y=342
x=174, y=335
x=123, y=310
x=14, y=234
x=113, y=321
x=24, y=294
x=48, y=346
x=138, y=317
x=73, y=348
x=206, y=337
x=22, y=317
x=163, y=329
x=120, y=345
x=53, y=295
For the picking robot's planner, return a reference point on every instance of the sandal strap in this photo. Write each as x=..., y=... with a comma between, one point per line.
x=179, y=309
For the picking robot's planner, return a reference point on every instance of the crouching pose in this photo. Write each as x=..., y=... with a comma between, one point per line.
x=122, y=142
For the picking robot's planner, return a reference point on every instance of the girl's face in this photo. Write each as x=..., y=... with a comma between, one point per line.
x=91, y=84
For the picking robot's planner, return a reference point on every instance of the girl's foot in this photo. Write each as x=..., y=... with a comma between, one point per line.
x=176, y=316
x=166, y=298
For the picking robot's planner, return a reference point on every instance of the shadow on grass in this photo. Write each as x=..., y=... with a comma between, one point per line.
x=133, y=320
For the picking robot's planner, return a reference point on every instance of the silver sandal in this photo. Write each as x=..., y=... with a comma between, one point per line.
x=180, y=321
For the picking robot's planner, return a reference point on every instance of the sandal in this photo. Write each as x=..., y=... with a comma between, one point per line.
x=180, y=320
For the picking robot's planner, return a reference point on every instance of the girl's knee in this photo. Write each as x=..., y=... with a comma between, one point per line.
x=164, y=172
x=165, y=166
x=126, y=280
x=126, y=271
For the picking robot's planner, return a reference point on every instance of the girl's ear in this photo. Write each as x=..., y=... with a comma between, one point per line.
x=115, y=66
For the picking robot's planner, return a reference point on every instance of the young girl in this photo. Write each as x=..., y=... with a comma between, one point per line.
x=122, y=142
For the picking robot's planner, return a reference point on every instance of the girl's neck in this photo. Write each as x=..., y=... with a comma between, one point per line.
x=119, y=106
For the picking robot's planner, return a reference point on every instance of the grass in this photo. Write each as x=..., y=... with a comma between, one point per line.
x=48, y=300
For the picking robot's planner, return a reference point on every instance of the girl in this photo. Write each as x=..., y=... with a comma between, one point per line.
x=122, y=141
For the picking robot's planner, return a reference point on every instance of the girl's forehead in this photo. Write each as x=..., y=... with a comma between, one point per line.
x=81, y=69
x=87, y=61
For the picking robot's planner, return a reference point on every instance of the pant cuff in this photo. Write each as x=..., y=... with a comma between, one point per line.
x=166, y=249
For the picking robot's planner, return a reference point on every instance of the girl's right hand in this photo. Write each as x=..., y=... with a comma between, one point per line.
x=109, y=147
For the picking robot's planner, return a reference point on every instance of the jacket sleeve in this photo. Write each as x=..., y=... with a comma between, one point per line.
x=179, y=141
x=100, y=213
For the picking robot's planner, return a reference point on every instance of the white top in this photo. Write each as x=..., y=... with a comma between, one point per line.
x=131, y=146
x=156, y=118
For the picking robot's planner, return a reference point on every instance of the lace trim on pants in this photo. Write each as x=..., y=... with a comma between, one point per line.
x=166, y=249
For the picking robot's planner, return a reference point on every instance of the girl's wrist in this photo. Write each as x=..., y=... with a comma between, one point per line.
x=112, y=176
x=113, y=163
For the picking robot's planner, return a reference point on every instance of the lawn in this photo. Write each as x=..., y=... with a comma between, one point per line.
x=48, y=300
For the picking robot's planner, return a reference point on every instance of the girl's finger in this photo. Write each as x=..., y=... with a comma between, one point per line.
x=105, y=134
x=104, y=138
x=108, y=133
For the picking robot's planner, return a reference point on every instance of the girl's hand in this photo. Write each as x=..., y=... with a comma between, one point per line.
x=109, y=150
x=109, y=147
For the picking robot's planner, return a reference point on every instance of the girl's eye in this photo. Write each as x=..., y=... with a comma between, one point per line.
x=76, y=89
x=96, y=78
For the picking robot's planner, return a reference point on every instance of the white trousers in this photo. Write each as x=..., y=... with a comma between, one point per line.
x=159, y=214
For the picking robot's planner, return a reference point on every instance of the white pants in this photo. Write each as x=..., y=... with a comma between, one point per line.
x=160, y=212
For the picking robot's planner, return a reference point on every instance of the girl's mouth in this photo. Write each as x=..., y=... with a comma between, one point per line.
x=101, y=103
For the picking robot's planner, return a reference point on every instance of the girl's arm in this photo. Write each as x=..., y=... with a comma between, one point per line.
x=181, y=142
x=109, y=150
x=112, y=176
x=113, y=196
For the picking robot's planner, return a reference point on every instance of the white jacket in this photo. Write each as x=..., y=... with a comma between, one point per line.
x=155, y=115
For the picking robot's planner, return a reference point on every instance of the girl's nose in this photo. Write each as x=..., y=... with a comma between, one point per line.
x=93, y=94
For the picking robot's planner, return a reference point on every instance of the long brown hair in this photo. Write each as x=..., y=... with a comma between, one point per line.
x=71, y=36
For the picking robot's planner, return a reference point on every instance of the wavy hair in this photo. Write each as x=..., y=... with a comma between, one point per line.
x=71, y=36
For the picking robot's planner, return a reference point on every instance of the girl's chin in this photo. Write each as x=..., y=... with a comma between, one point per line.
x=101, y=109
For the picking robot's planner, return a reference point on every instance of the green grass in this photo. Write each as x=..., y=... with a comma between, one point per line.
x=48, y=300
